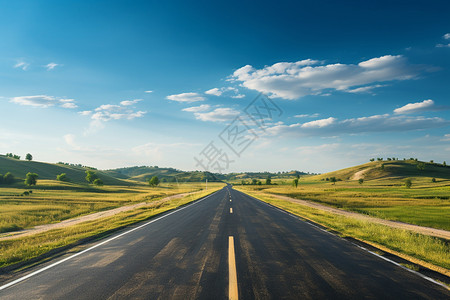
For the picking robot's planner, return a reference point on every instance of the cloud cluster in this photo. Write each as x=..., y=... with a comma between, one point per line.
x=186, y=97
x=51, y=66
x=107, y=112
x=377, y=123
x=445, y=37
x=425, y=105
x=311, y=77
x=231, y=91
x=221, y=114
x=44, y=101
x=22, y=65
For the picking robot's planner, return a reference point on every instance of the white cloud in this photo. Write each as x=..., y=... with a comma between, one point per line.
x=298, y=79
x=425, y=105
x=319, y=123
x=44, y=101
x=376, y=123
x=51, y=66
x=22, y=65
x=307, y=115
x=148, y=92
x=70, y=140
x=446, y=138
x=186, y=97
x=85, y=113
x=222, y=114
x=214, y=91
x=365, y=89
x=225, y=91
x=203, y=107
x=447, y=36
x=443, y=45
x=130, y=102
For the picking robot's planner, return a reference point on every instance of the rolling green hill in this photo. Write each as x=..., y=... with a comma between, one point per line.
x=19, y=168
x=389, y=169
x=144, y=173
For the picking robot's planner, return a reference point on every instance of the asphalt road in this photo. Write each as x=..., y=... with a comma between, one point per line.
x=186, y=255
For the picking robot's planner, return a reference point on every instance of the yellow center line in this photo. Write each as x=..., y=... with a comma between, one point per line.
x=232, y=277
x=231, y=210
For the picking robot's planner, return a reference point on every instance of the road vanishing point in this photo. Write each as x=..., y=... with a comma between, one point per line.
x=227, y=245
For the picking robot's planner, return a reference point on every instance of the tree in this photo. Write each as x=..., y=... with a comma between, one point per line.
x=154, y=181
x=421, y=166
x=8, y=178
x=31, y=178
x=360, y=181
x=254, y=181
x=98, y=182
x=295, y=182
x=433, y=180
x=333, y=180
x=62, y=177
x=90, y=176
x=382, y=167
x=29, y=157
x=408, y=183
x=444, y=163
x=372, y=159
x=268, y=180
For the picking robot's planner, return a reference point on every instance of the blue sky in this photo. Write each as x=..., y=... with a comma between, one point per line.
x=119, y=83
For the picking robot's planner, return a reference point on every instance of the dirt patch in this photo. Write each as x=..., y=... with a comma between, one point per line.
x=440, y=233
x=90, y=217
x=359, y=175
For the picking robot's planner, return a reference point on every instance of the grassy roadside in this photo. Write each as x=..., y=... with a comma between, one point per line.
x=54, y=201
x=26, y=248
x=417, y=248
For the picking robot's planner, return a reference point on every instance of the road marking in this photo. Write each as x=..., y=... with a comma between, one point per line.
x=232, y=275
x=98, y=245
x=230, y=200
x=231, y=210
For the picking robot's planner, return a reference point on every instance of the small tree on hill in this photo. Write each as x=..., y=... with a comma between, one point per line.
x=62, y=177
x=269, y=180
x=31, y=178
x=360, y=181
x=433, y=179
x=421, y=166
x=333, y=180
x=295, y=182
x=154, y=181
x=29, y=157
x=408, y=183
x=8, y=178
x=90, y=176
x=98, y=182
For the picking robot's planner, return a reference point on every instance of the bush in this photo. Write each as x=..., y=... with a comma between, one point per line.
x=9, y=178
x=91, y=176
x=408, y=183
x=360, y=181
x=433, y=180
x=98, y=182
x=62, y=177
x=26, y=193
x=154, y=181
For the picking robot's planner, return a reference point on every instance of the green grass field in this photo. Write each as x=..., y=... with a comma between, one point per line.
x=53, y=201
x=382, y=194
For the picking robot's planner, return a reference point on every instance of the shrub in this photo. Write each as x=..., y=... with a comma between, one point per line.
x=31, y=178
x=408, y=183
x=98, y=182
x=62, y=177
x=154, y=181
x=360, y=181
x=433, y=180
x=8, y=178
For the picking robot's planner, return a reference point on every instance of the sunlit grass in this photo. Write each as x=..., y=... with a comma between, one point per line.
x=56, y=201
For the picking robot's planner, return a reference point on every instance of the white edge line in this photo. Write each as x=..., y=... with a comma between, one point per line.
x=98, y=245
x=367, y=250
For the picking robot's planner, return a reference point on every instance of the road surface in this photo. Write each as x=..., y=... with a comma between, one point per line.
x=228, y=245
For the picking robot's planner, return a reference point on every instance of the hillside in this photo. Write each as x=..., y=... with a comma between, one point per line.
x=389, y=169
x=144, y=173
x=19, y=168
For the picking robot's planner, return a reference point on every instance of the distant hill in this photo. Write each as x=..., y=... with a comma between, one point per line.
x=389, y=169
x=19, y=168
x=144, y=173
